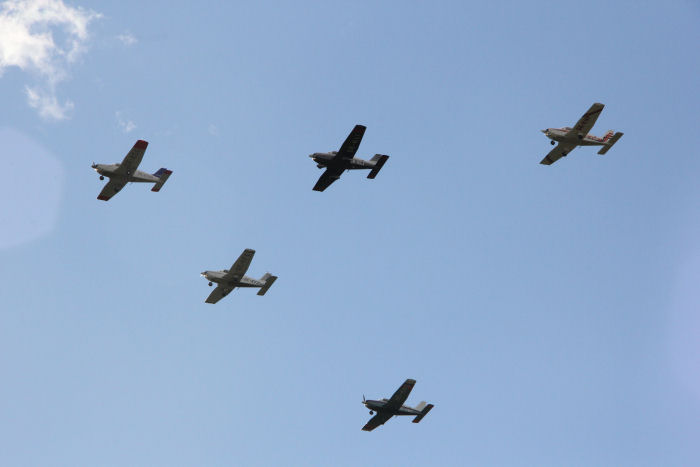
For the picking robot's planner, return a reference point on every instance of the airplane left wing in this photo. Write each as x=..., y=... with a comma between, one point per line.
x=133, y=158
x=111, y=188
x=559, y=151
x=379, y=419
x=241, y=265
x=218, y=293
x=352, y=143
x=329, y=176
x=586, y=122
x=401, y=394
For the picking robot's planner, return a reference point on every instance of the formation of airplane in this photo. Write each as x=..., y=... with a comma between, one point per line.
x=387, y=408
x=127, y=171
x=569, y=138
x=336, y=162
x=229, y=279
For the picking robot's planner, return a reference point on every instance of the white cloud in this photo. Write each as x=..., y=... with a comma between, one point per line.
x=213, y=130
x=127, y=126
x=27, y=41
x=127, y=38
x=47, y=104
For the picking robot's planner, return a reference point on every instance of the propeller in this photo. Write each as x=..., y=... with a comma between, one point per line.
x=94, y=166
x=363, y=399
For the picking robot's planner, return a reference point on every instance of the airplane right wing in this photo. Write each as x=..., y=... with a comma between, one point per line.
x=111, y=188
x=241, y=265
x=218, y=293
x=329, y=176
x=585, y=123
x=352, y=143
x=380, y=419
x=559, y=151
x=401, y=394
x=133, y=158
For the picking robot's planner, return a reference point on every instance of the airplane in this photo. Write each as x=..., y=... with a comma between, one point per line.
x=229, y=279
x=336, y=162
x=387, y=408
x=120, y=174
x=569, y=138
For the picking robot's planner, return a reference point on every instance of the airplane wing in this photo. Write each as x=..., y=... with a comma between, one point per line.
x=401, y=394
x=329, y=176
x=133, y=158
x=241, y=265
x=111, y=188
x=559, y=151
x=379, y=419
x=585, y=123
x=352, y=142
x=218, y=293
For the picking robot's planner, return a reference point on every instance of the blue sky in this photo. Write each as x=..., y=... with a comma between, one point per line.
x=549, y=313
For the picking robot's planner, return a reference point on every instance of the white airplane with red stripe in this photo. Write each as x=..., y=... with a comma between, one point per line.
x=570, y=138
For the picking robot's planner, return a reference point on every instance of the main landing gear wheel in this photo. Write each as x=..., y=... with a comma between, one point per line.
x=552, y=142
x=102, y=177
x=210, y=284
x=371, y=413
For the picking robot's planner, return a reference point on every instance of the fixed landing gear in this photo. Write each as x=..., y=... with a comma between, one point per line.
x=210, y=284
x=371, y=413
x=552, y=142
x=102, y=177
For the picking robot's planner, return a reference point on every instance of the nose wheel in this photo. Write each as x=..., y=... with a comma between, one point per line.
x=371, y=413
x=210, y=284
x=552, y=142
x=102, y=177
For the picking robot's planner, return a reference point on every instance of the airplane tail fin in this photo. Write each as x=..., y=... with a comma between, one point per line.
x=610, y=143
x=163, y=175
x=268, y=279
x=424, y=411
x=379, y=161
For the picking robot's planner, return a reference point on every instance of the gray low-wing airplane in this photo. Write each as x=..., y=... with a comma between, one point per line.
x=121, y=174
x=387, y=408
x=569, y=138
x=336, y=162
x=229, y=279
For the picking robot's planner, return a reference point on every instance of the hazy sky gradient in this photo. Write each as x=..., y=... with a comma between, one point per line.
x=550, y=313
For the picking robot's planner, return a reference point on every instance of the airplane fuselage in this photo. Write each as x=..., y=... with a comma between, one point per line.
x=380, y=406
x=218, y=277
x=110, y=170
x=562, y=135
x=324, y=159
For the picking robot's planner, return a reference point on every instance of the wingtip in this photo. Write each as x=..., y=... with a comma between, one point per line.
x=141, y=144
x=102, y=198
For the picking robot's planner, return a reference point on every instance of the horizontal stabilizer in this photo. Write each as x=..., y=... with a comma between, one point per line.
x=163, y=175
x=423, y=413
x=268, y=283
x=380, y=161
x=612, y=141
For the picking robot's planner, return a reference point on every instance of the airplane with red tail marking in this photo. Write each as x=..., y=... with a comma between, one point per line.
x=120, y=174
x=570, y=138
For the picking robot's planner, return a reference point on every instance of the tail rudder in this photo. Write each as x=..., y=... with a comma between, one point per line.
x=162, y=175
x=421, y=406
x=423, y=412
x=608, y=135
